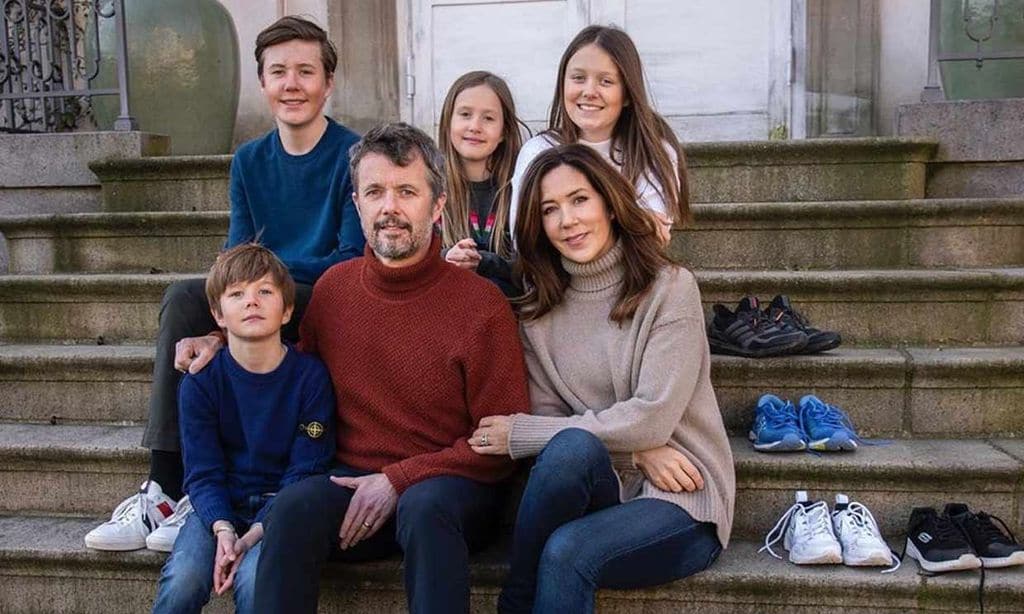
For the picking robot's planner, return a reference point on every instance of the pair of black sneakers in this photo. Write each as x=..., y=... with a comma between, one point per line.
x=959, y=539
x=775, y=330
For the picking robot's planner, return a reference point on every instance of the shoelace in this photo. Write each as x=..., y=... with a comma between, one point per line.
x=776, y=314
x=832, y=416
x=816, y=516
x=128, y=510
x=863, y=524
x=180, y=513
x=783, y=416
x=983, y=525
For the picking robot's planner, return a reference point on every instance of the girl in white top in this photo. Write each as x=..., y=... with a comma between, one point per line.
x=601, y=101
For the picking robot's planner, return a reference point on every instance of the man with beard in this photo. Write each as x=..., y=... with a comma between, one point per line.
x=419, y=351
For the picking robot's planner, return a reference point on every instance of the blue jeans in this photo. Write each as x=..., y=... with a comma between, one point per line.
x=572, y=536
x=438, y=522
x=187, y=577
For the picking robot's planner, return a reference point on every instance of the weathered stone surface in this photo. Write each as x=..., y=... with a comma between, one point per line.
x=62, y=159
x=811, y=170
x=26, y=201
x=68, y=384
x=980, y=130
x=114, y=242
x=854, y=234
x=976, y=179
x=169, y=183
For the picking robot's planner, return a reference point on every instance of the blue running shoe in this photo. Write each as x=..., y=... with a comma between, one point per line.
x=827, y=427
x=776, y=426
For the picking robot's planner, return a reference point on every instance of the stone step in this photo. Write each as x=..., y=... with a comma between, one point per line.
x=87, y=470
x=870, y=307
x=808, y=170
x=114, y=242
x=854, y=235
x=46, y=568
x=914, y=392
x=167, y=183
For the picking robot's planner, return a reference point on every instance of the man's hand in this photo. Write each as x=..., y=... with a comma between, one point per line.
x=669, y=469
x=194, y=353
x=491, y=437
x=370, y=508
x=224, y=561
x=242, y=545
x=464, y=255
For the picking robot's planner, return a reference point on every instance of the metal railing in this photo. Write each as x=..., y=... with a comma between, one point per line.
x=49, y=54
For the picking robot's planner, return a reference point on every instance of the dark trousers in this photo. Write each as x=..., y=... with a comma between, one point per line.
x=572, y=535
x=438, y=523
x=185, y=312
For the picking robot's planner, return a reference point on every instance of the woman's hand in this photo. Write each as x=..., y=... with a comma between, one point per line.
x=491, y=437
x=464, y=255
x=669, y=469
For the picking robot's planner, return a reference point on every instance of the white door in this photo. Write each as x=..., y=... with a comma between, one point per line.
x=716, y=69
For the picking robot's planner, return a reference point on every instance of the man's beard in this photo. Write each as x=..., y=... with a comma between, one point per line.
x=398, y=248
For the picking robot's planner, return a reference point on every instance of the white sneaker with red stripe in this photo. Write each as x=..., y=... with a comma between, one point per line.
x=132, y=520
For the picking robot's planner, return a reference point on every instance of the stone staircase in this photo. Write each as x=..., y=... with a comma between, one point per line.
x=927, y=293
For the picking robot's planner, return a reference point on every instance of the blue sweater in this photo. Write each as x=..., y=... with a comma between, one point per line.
x=298, y=206
x=244, y=434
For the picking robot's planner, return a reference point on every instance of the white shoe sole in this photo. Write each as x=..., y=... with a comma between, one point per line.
x=874, y=559
x=114, y=544
x=1017, y=558
x=826, y=557
x=966, y=562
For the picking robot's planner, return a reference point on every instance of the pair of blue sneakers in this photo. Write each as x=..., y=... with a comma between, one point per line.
x=816, y=425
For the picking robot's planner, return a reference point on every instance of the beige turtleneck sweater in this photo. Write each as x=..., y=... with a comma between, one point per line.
x=636, y=387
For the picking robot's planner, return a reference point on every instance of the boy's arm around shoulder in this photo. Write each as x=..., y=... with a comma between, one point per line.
x=205, y=464
x=313, y=442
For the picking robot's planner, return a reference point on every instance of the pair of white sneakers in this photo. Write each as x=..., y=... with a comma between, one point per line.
x=147, y=519
x=815, y=535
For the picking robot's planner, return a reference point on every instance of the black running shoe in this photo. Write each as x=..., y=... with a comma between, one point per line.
x=937, y=543
x=749, y=333
x=781, y=312
x=995, y=547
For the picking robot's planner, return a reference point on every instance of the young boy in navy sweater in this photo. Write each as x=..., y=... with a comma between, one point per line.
x=258, y=418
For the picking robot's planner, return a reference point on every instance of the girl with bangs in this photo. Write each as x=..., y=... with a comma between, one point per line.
x=633, y=484
x=601, y=101
x=479, y=136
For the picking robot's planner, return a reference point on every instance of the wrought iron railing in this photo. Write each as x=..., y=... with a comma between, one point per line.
x=49, y=54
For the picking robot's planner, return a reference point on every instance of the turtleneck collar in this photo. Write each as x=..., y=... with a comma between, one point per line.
x=400, y=283
x=597, y=275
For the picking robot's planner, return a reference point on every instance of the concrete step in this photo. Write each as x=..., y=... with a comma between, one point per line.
x=914, y=392
x=167, y=183
x=87, y=470
x=114, y=242
x=854, y=235
x=46, y=568
x=871, y=308
x=76, y=383
x=808, y=170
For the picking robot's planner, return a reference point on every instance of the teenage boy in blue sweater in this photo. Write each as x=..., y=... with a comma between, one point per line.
x=290, y=189
x=255, y=420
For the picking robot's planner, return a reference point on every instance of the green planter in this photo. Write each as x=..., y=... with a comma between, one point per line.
x=995, y=78
x=183, y=72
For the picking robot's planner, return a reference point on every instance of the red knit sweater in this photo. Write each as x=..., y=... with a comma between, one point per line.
x=417, y=356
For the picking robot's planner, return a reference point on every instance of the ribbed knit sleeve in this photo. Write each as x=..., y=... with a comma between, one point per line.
x=206, y=479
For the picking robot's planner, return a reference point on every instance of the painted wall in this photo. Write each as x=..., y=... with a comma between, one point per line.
x=903, y=53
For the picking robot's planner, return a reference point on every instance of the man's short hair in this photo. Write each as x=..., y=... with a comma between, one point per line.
x=246, y=263
x=399, y=142
x=291, y=28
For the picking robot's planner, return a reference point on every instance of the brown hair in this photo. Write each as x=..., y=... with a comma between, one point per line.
x=399, y=142
x=243, y=264
x=502, y=163
x=291, y=28
x=539, y=261
x=640, y=132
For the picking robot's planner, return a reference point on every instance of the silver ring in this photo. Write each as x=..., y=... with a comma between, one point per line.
x=484, y=441
x=367, y=525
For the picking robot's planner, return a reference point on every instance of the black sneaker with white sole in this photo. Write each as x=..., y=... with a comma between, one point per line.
x=937, y=543
x=747, y=332
x=781, y=312
x=995, y=546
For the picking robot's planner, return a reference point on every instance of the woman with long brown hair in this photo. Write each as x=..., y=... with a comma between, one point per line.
x=479, y=136
x=633, y=484
x=601, y=101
